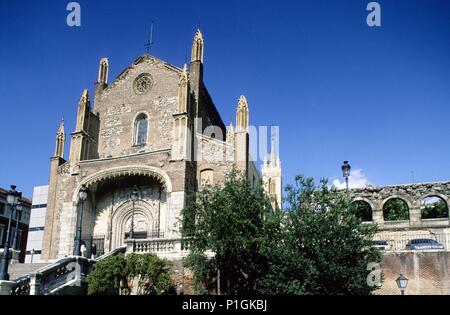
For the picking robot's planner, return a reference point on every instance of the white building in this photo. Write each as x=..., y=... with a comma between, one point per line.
x=37, y=223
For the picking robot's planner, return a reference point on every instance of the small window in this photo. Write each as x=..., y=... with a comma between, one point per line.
x=2, y=229
x=2, y=208
x=141, y=130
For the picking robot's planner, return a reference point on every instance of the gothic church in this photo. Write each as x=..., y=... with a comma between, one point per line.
x=155, y=127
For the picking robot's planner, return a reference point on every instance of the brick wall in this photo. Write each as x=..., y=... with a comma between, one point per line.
x=428, y=272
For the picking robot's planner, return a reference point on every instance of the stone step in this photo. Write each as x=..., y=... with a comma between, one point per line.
x=19, y=270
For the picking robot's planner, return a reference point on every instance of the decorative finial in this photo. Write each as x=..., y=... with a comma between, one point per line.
x=198, y=47
x=85, y=97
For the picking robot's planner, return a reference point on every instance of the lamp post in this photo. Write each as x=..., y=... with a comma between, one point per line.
x=12, y=200
x=402, y=283
x=134, y=198
x=18, y=212
x=82, y=196
x=32, y=255
x=346, y=168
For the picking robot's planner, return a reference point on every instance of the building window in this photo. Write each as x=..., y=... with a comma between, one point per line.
x=2, y=209
x=141, y=130
x=2, y=230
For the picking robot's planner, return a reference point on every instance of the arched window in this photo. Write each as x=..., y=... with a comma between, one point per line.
x=395, y=209
x=141, y=128
x=362, y=210
x=271, y=186
x=434, y=207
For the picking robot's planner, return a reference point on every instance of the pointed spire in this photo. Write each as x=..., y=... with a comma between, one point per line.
x=183, y=91
x=60, y=141
x=198, y=47
x=84, y=108
x=85, y=99
x=242, y=115
x=273, y=148
x=61, y=127
x=103, y=70
x=184, y=74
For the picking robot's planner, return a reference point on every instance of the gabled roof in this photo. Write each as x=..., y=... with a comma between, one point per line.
x=144, y=58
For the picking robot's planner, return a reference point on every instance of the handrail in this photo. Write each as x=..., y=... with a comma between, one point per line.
x=22, y=286
x=119, y=250
x=49, y=279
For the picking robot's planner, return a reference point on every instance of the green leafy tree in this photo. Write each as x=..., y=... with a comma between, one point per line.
x=138, y=274
x=435, y=210
x=321, y=248
x=228, y=221
x=362, y=210
x=395, y=210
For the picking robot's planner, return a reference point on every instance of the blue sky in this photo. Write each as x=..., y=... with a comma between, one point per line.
x=338, y=89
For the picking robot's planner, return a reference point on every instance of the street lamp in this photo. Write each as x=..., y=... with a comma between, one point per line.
x=402, y=283
x=82, y=196
x=346, y=168
x=12, y=200
x=346, y=172
x=19, y=208
x=32, y=255
x=134, y=198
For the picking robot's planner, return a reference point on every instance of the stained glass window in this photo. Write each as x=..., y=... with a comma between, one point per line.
x=141, y=130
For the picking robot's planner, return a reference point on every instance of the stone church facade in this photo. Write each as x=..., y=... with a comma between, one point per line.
x=155, y=127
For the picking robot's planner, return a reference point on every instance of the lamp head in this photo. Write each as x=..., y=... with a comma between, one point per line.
x=402, y=282
x=13, y=196
x=346, y=169
x=83, y=193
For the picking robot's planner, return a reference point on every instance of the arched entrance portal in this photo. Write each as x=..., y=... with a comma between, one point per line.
x=109, y=210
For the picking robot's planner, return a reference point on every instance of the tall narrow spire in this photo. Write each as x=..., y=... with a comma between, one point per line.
x=184, y=74
x=60, y=141
x=84, y=108
x=183, y=91
x=103, y=70
x=242, y=115
x=273, y=149
x=198, y=47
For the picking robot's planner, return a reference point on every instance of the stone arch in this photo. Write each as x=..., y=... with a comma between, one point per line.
x=366, y=207
x=112, y=173
x=428, y=212
x=397, y=201
x=123, y=214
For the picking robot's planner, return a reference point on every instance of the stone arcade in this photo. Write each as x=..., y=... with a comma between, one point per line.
x=155, y=127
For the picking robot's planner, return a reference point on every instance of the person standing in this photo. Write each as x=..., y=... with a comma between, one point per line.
x=93, y=251
x=83, y=249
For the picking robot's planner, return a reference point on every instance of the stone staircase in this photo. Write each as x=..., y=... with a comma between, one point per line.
x=19, y=270
x=64, y=277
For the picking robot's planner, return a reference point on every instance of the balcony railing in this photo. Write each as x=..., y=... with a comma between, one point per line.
x=398, y=242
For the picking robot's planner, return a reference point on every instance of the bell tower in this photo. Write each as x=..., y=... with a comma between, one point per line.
x=242, y=139
x=272, y=175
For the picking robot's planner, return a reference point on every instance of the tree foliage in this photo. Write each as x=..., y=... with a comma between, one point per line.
x=322, y=249
x=314, y=247
x=362, y=210
x=396, y=210
x=132, y=274
x=435, y=210
x=228, y=221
